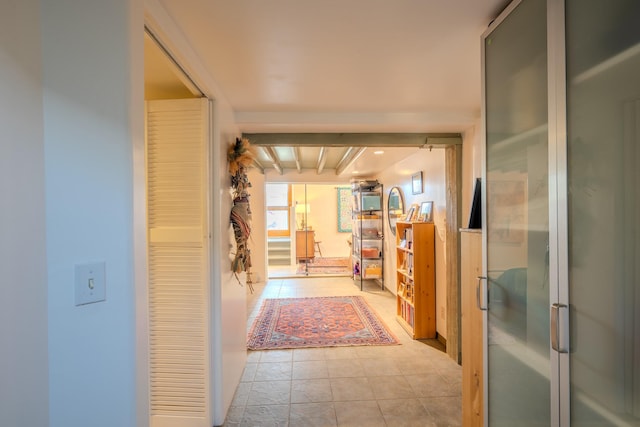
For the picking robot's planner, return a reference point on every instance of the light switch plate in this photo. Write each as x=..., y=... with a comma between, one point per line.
x=90, y=283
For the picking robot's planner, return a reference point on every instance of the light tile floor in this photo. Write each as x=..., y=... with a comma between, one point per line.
x=411, y=384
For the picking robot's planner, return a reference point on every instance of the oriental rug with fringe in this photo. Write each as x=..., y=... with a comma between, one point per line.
x=326, y=265
x=317, y=322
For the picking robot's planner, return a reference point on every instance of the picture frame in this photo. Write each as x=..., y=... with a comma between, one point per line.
x=409, y=214
x=344, y=209
x=426, y=212
x=415, y=212
x=416, y=183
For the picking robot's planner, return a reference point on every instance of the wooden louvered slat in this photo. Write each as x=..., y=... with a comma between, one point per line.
x=177, y=252
x=175, y=169
x=177, y=333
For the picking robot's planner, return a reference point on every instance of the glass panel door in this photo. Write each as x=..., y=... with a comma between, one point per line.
x=603, y=141
x=517, y=217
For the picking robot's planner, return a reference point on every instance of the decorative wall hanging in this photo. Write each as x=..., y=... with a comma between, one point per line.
x=240, y=157
x=344, y=209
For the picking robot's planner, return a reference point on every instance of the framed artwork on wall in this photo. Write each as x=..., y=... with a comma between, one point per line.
x=426, y=212
x=344, y=210
x=416, y=183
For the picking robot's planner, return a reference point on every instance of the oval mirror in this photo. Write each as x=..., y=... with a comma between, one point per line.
x=395, y=207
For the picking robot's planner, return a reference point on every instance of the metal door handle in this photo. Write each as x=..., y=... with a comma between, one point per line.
x=481, y=293
x=559, y=327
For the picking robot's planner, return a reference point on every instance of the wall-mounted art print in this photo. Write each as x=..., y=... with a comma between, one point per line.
x=344, y=209
x=416, y=183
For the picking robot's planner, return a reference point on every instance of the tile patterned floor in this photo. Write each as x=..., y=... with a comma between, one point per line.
x=411, y=384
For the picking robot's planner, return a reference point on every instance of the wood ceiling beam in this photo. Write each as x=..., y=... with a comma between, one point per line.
x=346, y=162
x=273, y=156
x=297, y=156
x=345, y=157
x=322, y=159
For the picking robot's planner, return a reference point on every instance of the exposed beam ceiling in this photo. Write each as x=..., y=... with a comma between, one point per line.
x=322, y=159
x=273, y=157
x=297, y=155
x=339, y=151
x=353, y=139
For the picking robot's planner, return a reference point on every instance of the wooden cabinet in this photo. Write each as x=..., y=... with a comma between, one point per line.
x=472, y=357
x=416, y=278
x=305, y=245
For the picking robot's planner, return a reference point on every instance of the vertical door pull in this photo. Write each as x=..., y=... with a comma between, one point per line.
x=560, y=327
x=481, y=293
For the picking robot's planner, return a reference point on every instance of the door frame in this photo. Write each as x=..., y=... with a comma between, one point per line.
x=453, y=185
x=558, y=202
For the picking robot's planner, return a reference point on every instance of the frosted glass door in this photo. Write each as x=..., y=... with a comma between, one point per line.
x=517, y=217
x=603, y=141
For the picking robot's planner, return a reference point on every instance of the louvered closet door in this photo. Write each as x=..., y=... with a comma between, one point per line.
x=177, y=180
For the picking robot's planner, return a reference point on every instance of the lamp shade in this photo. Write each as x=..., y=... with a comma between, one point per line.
x=303, y=208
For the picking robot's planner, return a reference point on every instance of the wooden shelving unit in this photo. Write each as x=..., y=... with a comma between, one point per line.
x=416, y=288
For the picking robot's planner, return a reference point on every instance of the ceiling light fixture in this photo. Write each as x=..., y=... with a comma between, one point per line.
x=378, y=152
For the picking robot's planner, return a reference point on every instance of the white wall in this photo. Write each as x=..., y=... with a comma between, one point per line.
x=309, y=176
x=89, y=115
x=24, y=383
x=432, y=164
x=229, y=303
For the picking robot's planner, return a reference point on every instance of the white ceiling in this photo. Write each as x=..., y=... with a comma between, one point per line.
x=341, y=65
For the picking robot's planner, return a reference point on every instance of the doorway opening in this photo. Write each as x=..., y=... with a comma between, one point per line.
x=308, y=230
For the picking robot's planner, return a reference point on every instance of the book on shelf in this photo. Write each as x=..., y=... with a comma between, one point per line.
x=408, y=234
x=407, y=264
x=407, y=313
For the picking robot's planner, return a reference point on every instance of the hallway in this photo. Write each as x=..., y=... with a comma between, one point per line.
x=411, y=384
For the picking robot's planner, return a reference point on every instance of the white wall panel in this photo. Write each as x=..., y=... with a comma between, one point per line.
x=24, y=382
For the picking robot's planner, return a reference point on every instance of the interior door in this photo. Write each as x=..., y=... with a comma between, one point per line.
x=603, y=146
x=517, y=217
x=178, y=180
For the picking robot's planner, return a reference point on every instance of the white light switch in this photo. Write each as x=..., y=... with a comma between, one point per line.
x=90, y=283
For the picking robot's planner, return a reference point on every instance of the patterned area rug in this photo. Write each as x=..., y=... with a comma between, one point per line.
x=317, y=322
x=325, y=265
